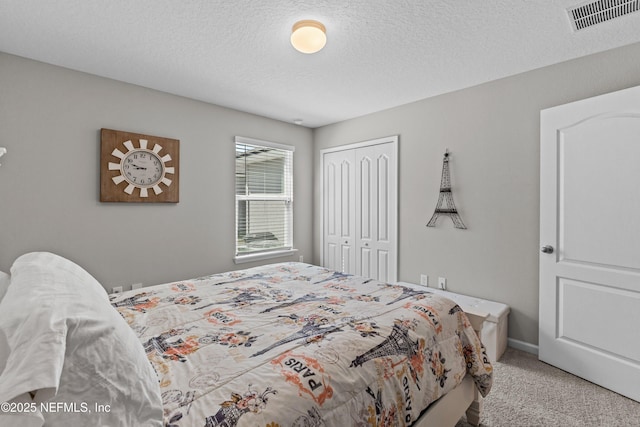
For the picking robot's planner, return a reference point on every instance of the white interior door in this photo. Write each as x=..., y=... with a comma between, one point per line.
x=339, y=211
x=590, y=237
x=360, y=209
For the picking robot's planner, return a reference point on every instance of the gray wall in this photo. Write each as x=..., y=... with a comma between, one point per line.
x=492, y=132
x=50, y=120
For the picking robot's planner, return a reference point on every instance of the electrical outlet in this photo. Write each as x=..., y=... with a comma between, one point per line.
x=301, y=258
x=136, y=286
x=442, y=283
x=116, y=289
x=424, y=280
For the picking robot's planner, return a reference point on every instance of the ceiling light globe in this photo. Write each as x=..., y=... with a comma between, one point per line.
x=308, y=36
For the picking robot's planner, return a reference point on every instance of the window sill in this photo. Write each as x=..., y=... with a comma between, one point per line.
x=241, y=259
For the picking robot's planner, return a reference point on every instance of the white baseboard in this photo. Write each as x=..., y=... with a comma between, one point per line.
x=521, y=345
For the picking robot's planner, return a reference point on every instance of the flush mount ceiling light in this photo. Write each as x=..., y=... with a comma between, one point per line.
x=308, y=36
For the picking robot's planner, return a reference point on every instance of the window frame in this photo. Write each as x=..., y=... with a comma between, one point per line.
x=288, y=249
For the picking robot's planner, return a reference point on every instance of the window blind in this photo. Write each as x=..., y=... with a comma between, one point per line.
x=264, y=196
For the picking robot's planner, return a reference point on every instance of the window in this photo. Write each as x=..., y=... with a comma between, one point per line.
x=264, y=199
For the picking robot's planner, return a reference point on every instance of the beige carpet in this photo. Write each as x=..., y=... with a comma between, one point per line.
x=529, y=393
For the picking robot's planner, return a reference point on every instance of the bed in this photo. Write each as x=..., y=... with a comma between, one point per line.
x=287, y=344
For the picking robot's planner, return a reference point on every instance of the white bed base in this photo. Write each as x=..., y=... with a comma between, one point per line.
x=465, y=398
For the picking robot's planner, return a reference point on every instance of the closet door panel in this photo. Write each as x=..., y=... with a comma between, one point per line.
x=339, y=211
x=376, y=210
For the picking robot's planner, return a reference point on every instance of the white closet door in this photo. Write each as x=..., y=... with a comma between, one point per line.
x=376, y=186
x=360, y=209
x=339, y=211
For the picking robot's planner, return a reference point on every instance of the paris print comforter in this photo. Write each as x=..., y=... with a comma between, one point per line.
x=298, y=345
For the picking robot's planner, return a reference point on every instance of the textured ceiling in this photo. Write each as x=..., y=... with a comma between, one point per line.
x=379, y=54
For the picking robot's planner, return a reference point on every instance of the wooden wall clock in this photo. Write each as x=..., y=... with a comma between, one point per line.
x=138, y=168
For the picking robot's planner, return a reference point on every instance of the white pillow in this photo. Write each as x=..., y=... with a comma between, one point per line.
x=67, y=344
x=4, y=283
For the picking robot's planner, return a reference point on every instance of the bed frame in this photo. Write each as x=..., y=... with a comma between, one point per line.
x=448, y=410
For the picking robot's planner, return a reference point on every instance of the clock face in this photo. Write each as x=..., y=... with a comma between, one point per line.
x=142, y=168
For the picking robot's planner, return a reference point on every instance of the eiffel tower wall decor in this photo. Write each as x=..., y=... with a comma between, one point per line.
x=446, y=198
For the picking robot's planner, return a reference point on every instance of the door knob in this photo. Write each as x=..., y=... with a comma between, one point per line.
x=547, y=249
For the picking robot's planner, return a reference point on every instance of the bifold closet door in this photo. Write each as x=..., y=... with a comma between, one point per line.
x=360, y=211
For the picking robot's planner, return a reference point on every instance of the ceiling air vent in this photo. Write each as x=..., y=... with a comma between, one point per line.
x=595, y=12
